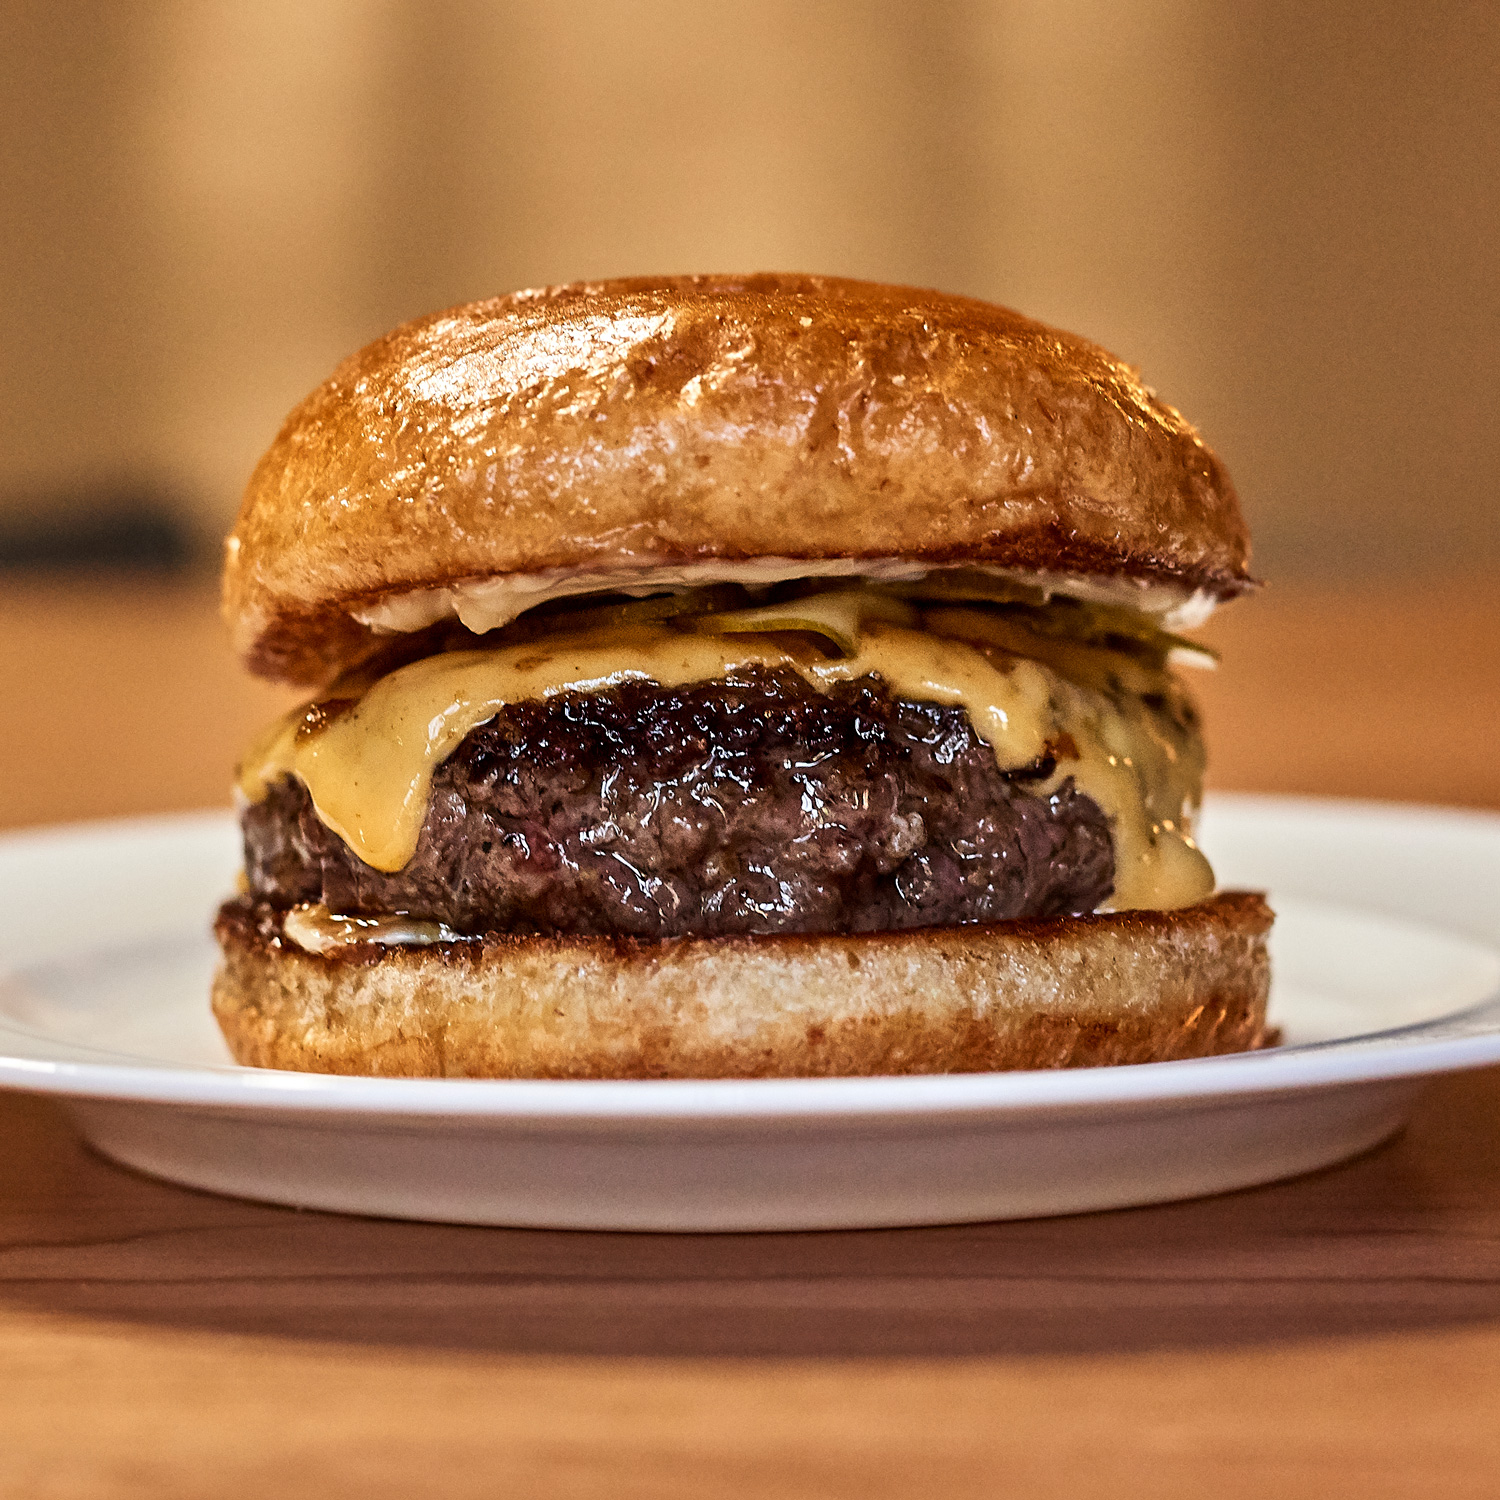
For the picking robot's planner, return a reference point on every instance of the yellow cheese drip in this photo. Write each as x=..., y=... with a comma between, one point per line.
x=369, y=768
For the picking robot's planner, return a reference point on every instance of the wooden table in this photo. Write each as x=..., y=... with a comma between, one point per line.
x=1338, y=1335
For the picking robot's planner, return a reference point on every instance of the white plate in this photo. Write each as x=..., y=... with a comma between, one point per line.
x=1386, y=972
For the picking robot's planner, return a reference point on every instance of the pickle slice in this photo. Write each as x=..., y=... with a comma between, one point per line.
x=837, y=615
x=1090, y=664
x=1114, y=628
x=1108, y=627
x=656, y=610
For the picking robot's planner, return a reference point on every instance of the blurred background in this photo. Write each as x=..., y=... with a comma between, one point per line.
x=1287, y=214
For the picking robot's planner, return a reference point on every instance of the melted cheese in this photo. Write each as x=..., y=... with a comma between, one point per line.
x=368, y=765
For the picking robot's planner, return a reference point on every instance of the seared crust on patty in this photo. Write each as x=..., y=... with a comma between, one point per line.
x=713, y=419
x=1126, y=987
x=719, y=808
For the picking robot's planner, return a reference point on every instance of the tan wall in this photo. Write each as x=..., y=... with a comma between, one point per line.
x=1287, y=214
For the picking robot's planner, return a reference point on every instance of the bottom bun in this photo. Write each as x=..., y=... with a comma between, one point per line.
x=1123, y=987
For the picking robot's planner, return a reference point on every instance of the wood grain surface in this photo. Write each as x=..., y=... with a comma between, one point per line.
x=1337, y=1335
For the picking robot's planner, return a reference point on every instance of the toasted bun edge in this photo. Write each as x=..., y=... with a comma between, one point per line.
x=1113, y=988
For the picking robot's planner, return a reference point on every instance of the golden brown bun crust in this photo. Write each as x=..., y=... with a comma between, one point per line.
x=1125, y=987
x=692, y=419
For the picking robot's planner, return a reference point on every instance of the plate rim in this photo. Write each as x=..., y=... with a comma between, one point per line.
x=1468, y=1038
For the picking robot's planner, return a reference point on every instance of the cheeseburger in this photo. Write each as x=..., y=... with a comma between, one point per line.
x=731, y=676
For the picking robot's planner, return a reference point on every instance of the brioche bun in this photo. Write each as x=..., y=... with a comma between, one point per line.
x=617, y=426
x=1123, y=987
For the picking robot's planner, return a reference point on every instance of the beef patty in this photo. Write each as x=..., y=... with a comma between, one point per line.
x=749, y=806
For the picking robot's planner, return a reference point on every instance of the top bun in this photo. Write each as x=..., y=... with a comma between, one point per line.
x=612, y=427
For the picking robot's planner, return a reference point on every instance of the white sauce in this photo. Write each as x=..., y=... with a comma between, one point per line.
x=315, y=929
x=483, y=604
